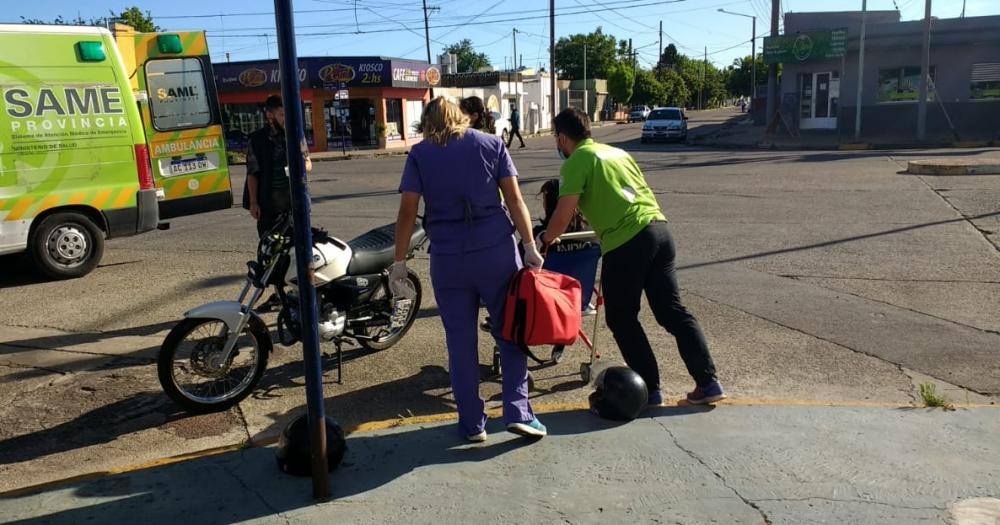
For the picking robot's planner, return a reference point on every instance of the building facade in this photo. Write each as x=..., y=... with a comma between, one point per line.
x=348, y=102
x=818, y=90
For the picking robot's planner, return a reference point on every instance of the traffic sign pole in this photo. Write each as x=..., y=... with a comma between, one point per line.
x=302, y=234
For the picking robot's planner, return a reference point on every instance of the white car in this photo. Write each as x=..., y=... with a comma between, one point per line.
x=502, y=125
x=665, y=124
x=638, y=113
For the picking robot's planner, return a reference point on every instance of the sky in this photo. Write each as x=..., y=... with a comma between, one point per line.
x=395, y=28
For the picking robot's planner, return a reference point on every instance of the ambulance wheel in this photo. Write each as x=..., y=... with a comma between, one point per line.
x=585, y=372
x=66, y=245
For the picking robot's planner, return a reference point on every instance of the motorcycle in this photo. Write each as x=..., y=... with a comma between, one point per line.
x=215, y=356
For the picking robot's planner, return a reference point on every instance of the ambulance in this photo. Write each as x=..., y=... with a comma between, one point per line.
x=101, y=136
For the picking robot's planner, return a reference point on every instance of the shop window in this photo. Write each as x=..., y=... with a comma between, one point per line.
x=414, y=110
x=901, y=84
x=394, y=119
x=307, y=123
x=239, y=121
x=178, y=95
x=985, y=81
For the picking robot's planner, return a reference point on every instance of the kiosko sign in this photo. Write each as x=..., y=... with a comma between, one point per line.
x=805, y=47
x=329, y=73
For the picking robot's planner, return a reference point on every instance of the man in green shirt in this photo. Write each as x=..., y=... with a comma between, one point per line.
x=608, y=187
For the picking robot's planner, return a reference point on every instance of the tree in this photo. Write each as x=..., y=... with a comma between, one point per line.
x=675, y=89
x=601, y=55
x=133, y=16
x=648, y=90
x=737, y=76
x=670, y=57
x=621, y=83
x=468, y=59
x=142, y=22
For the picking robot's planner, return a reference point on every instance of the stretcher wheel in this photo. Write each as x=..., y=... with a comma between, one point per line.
x=585, y=372
x=557, y=354
x=495, y=367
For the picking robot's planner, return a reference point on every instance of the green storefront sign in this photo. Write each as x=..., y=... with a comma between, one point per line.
x=805, y=47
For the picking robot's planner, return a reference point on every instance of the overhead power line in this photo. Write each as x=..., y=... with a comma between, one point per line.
x=491, y=21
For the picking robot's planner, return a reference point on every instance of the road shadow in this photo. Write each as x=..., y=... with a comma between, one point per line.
x=247, y=485
x=835, y=242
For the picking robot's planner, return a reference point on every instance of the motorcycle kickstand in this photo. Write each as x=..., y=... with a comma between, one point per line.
x=340, y=363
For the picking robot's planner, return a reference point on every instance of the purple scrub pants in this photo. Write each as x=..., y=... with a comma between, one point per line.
x=460, y=281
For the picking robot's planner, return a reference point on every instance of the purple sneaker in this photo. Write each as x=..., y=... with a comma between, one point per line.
x=707, y=394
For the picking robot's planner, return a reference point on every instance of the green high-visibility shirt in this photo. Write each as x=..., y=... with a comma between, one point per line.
x=614, y=196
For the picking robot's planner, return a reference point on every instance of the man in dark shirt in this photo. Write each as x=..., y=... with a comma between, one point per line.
x=515, y=126
x=267, y=193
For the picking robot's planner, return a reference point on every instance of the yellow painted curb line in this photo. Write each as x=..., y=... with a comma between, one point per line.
x=374, y=426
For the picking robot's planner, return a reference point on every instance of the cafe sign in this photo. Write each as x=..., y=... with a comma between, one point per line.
x=809, y=46
x=329, y=73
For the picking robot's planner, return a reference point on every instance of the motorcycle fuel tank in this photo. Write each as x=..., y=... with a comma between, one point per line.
x=329, y=262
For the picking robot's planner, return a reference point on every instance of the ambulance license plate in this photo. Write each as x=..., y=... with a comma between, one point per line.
x=185, y=166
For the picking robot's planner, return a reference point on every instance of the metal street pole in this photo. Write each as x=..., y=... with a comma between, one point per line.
x=861, y=72
x=586, y=101
x=753, y=62
x=660, y=56
x=925, y=73
x=772, y=70
x=302, y=235
x=753, y=53
x=514, y=35
x=554, y=99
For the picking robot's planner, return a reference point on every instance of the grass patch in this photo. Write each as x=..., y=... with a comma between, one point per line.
x=928, y=393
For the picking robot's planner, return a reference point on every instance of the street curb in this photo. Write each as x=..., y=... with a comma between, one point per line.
x=374, y=426
x=349, y=156
x=951, y=167
x=838, y=147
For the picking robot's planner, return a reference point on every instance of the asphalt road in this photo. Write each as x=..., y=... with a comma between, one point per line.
x=816, y=275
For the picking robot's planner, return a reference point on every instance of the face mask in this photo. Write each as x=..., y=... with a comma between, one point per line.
x=561, y=154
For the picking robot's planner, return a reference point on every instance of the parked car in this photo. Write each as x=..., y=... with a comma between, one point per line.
x=665, y=124
x=502, y=125
x=638, y=113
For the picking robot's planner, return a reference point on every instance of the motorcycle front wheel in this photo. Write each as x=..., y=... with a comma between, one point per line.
x=385, y=337
x=196, y=374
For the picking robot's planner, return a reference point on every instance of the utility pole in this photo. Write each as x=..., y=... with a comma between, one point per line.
x=701, y=88
x=861, y=72
x=925, y=73
x=631, y=55
x=753, y=62
x=586, y=92
x=660, y=56
x=554, y=99
x=427, y=29
x=772, y=70
x=514, y=33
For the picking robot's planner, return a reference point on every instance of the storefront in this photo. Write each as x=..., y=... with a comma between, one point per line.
x=347, y=102
x=819, y=55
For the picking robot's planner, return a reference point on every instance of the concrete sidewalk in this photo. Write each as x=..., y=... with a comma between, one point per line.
x=728, y=464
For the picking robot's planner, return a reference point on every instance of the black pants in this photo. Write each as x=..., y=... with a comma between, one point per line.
x=646, y=263
x=280, y=202
x=510, y=136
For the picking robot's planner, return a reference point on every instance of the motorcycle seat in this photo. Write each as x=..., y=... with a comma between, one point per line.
x=374, y=251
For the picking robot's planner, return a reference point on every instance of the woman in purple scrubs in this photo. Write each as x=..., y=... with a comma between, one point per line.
x=457, y=170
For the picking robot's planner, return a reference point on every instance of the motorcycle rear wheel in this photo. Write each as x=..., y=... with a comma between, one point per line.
x=394, y=335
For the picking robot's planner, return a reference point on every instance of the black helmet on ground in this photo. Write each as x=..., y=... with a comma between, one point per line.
x=294, y=453
x=620, y=395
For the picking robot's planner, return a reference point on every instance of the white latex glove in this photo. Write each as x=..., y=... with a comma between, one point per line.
x=540, y=240
x=399, y=282
x=532, y=259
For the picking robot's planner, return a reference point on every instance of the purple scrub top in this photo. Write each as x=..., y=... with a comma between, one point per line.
x=458, y=182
